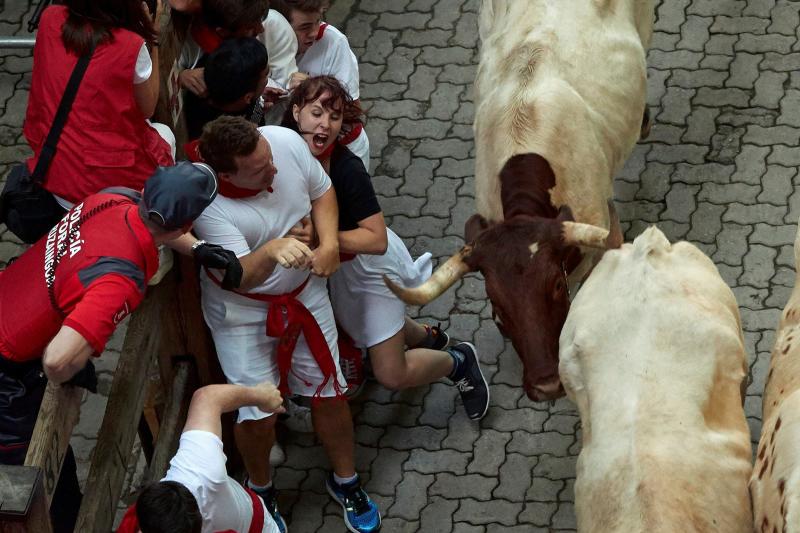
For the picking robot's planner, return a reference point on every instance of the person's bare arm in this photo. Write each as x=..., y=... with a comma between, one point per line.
x=369, y=238
x=65, y=355
x=183, y=244
x=146, y=93
x=325, y=215
x=258, y=265
x=208, y=404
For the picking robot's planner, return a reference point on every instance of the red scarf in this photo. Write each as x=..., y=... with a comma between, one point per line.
x=229, y=190
x=321, y=31
x=130, y=522
x=226, y=188
x=298, y=319
x=205, y=37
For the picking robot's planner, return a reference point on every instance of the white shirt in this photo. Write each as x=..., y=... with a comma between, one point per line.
x=242, y=225
x=279, y=40
x=144, y=66
x=281, y=43
x=199, y=466
x=331, y=55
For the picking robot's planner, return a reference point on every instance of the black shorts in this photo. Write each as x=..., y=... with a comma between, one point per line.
x=22, y=387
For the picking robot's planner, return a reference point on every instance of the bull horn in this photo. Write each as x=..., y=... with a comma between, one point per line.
x=579, y=234
x=442, y=279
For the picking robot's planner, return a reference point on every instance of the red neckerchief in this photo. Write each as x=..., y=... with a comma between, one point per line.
x=298, y=319
x=229, y=190
x=192, y=150
x=205, y=37
x=321, y=31
x=130, y=522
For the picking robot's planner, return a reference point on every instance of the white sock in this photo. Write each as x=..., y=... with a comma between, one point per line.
x=344, y=480
x=258, y=487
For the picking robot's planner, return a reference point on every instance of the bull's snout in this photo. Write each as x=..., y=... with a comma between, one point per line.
x=545, y=390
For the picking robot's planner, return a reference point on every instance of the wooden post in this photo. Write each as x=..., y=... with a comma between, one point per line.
x=172, y=423
x=58, y=415
x=117, y=432
x=22, y=502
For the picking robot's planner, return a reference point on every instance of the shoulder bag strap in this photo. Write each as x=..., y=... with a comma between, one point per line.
x=49, y=148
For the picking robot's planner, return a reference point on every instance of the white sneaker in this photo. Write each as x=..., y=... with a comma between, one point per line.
x=276, y=455
x=298, y=417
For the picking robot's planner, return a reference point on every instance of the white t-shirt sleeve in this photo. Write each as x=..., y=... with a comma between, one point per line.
x=343, y=64
x=281, y=43
x=200, y=459
x=144, y=66
x=216, y=228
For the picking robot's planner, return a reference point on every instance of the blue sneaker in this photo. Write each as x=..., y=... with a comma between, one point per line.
x=361, y=515
x=270, y=498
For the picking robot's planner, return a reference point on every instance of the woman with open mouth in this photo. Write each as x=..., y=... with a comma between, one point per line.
x=322, y=112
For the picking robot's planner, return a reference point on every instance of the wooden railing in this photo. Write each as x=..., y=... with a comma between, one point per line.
x=167, y=324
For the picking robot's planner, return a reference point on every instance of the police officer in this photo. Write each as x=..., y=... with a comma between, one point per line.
x=61, y=300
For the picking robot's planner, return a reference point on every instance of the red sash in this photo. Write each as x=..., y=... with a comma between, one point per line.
x=287, y=317
x=130, y=523
x=352, y=135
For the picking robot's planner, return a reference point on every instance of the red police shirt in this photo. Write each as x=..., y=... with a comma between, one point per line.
x=107, y=255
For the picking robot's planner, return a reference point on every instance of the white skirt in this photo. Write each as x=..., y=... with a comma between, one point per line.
x=362, y=303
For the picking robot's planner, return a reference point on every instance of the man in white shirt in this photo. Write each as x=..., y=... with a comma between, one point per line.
x=324, y=50
x=268, y=182
x=197, y=494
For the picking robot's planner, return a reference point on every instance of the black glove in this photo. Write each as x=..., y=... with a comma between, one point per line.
x=85, y=378
x=215, y=256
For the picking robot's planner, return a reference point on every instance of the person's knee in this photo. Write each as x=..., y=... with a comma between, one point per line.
x=395, y=380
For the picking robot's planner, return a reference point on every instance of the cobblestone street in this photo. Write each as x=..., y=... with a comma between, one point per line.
x=719, y=169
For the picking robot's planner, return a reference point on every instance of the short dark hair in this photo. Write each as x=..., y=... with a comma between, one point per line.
x=89, y=22
x=226, y=138
x=234, y=69
x=232, y=15
x=168, y=507
x=285, y=7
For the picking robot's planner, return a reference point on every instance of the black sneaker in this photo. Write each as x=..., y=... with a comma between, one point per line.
x=472, y=385
x=436, y=338
x=270, y=499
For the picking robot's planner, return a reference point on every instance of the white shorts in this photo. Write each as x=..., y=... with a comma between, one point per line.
x=363, y=305
x=249, y=357
x=360, y=147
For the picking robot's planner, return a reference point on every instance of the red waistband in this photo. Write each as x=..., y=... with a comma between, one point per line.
x=287, y=317
x=346, y=256
x=353, y=134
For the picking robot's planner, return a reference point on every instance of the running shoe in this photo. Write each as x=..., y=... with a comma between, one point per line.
x=270, y=498
x=471, y=383
x=361, y=514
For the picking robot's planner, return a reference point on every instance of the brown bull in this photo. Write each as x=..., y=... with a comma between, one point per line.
x=559, y=106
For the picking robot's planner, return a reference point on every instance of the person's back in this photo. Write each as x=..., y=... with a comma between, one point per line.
x=106, y=140
x=102, y=235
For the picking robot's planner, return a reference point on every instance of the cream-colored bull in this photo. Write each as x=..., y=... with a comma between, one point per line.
x=775, y=483
x=652, y=354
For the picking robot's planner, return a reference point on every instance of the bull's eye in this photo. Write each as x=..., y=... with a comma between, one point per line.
x=559, y=288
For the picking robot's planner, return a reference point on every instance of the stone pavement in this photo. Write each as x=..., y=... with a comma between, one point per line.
x=719, y=169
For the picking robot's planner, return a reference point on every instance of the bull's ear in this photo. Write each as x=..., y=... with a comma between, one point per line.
x=473, y=227
x=564, y=214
